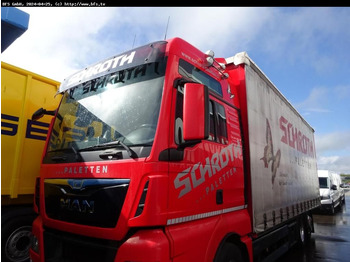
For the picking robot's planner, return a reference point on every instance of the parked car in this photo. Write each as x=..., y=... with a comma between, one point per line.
x=332, y=195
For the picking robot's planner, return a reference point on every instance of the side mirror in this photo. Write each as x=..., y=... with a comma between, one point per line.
x=195, y=112
x=334, y=187
x=41, y=112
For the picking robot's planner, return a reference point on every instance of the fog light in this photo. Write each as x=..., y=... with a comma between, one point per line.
x=35, y=244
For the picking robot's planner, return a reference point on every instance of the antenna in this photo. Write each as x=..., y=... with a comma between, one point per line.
x=166, y=30
x=134, y=41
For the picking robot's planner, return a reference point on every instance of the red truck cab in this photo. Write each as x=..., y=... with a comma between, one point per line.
x=146, y=161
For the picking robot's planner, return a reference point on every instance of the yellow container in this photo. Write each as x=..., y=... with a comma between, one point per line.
x=23, y=140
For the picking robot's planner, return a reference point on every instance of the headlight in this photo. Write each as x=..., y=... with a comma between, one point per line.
x=325, y=197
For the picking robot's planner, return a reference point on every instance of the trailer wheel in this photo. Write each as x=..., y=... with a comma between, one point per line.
x=304, y=230
x=309, y=227
x=229, y=253
x=16, y=233
x=301, y=231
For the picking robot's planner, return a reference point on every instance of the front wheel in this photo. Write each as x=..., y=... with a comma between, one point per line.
x=16, y=233
x=229, y=253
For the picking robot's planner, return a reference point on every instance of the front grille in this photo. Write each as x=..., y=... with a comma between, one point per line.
x=65, y=247
x=92, y=202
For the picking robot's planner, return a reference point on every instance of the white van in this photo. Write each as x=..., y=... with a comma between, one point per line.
x=330, y=191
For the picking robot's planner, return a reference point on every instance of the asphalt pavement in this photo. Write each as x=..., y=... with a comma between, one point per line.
x=331, y=240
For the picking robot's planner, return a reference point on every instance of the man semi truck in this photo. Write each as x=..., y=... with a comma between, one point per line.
x=164, y=153
x=22, y=143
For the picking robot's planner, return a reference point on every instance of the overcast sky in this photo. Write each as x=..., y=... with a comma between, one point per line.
x=304, y=51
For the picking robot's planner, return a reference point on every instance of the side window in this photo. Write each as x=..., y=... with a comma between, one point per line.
x=222, y=125
x=211, y=122
x=195, y=74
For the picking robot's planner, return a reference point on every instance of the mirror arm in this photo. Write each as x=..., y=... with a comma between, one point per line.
x=41, y=112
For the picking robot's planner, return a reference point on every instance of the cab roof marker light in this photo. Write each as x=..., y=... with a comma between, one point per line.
x=218, y=66
x=210, y=57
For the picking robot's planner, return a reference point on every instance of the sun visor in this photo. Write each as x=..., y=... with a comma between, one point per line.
x=143, y=55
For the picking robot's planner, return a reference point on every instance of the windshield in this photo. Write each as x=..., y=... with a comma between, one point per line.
x=323, y=182
x=121, y=106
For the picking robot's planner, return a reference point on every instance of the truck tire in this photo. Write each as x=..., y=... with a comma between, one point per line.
x=301, y=232
x=16, y=233
x=304, y=230
x=309, y=227
x=229, y=252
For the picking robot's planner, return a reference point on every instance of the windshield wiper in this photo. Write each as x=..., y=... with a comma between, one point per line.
x=131, y=153
x=63, y=158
